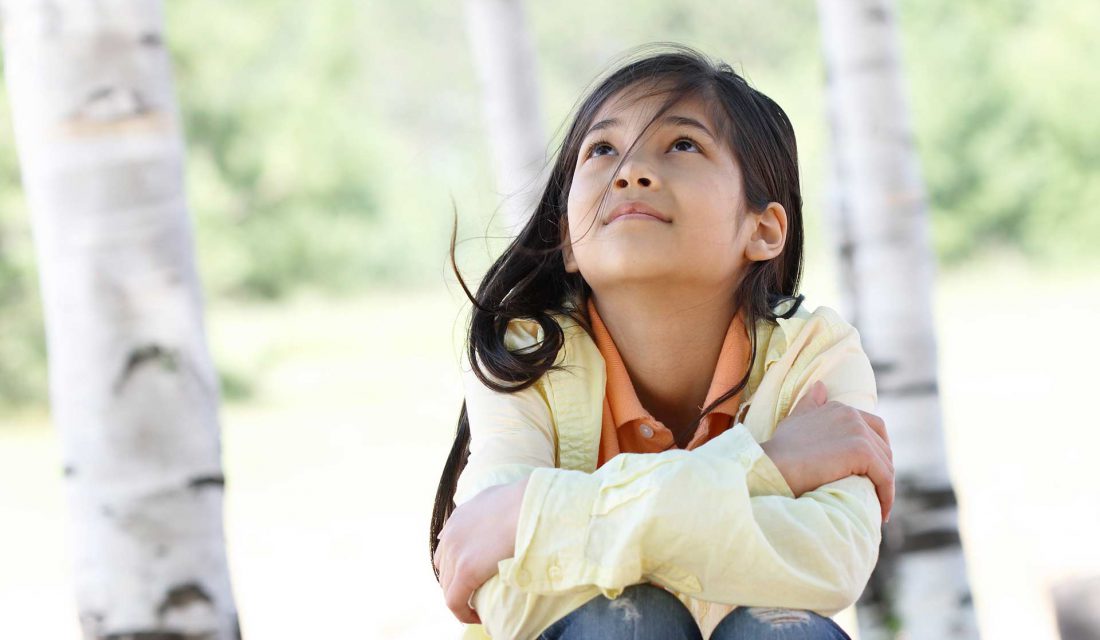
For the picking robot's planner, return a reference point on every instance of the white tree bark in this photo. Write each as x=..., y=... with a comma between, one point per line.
x=504, y=55
x=881, y=227
x=133, y=391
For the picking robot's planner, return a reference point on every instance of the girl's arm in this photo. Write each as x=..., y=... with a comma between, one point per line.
x=699, y=522
x=512, y=435
x=689, y=520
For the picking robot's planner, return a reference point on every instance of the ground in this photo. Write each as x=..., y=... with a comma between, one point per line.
x=332, y=465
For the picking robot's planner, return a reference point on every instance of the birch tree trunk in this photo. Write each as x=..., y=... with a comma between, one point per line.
x=504, y=55
x=883, y=238
x=133, y=391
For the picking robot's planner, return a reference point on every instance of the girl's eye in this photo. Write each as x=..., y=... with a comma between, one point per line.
x=685, y=144
x=692, y=145
x=597, y=146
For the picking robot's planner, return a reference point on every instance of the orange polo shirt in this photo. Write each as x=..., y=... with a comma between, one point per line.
x=629, y=428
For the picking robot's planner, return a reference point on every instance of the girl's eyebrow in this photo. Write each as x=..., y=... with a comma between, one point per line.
x=608, y=123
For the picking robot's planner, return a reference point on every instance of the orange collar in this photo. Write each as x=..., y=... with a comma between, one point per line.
x=623, y=400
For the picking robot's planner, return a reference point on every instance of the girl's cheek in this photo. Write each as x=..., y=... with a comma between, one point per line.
x=588, y=179
x=581, y=213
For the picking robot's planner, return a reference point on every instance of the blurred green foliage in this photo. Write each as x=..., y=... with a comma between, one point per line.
x=326, y=141
x=1004, y=94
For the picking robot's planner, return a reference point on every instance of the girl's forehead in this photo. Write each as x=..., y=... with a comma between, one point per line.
x=642, y=103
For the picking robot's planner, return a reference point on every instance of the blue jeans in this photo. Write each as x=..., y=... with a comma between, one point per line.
x=646, y=611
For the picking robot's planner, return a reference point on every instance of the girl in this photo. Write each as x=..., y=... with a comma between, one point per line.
x=647, y=447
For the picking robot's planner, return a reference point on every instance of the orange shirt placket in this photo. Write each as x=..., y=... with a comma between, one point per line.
x=628, y=428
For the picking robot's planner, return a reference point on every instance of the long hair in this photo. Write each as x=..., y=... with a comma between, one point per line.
x=529, y=279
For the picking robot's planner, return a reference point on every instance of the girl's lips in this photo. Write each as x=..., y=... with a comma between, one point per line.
x=635, y=209
x=639, y=216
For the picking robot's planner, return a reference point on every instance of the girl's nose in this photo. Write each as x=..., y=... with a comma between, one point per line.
x=623, y=183
x=634, y=171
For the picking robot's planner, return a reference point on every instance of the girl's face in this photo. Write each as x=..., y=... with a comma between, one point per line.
x=682, y=174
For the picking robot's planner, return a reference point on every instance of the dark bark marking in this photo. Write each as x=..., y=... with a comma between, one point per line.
x=159, y=635
x=1077, y=608
x=965, y=599
x=925, y=498
x=847, y=250
x=930, y=540
x=877, y=14
x=111, y=104
x=878, y=366
x=151, y=39
x=68, y=471
x=179, y=596
x=913, y=505
x=168, y=358
x=198, y=482
x=182, y=596
x=914, y=389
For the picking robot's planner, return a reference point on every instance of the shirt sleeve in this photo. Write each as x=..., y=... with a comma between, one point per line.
x=511, y=436
x=688, y=520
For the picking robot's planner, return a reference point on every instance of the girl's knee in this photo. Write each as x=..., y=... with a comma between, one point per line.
x=775, y=623
x=641, y=611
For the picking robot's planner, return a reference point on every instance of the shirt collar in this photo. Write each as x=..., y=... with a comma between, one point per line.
x=623, y=400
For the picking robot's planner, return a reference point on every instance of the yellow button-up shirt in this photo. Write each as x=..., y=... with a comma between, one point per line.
x=717, y=525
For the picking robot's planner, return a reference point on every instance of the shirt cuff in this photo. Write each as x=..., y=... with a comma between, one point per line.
x=765, y=479
x=762, y=477
x=553, y=533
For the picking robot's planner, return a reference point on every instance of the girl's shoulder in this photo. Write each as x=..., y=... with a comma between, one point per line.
x=802, y=333
x=796, y=332
x=803, y=318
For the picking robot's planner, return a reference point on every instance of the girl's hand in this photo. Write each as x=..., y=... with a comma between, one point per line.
x=821, y=441
x=479, y=534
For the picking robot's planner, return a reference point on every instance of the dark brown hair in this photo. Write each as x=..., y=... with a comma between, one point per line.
x=529, y=279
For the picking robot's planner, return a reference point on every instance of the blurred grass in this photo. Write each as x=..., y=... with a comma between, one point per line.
x=332, y=462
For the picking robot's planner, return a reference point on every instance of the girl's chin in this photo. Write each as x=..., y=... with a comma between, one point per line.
x=659, y=275
x=634, y=274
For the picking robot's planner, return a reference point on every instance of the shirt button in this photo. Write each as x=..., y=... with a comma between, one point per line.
x=523, y=578
x=555, y=573
x=647, y=431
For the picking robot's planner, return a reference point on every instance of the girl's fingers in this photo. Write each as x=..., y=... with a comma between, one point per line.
x=876, y=429
x=471, y=616
x=878, y=424
x=888, y=502
x=881, y=472
x=882, y=447
x=457, y=598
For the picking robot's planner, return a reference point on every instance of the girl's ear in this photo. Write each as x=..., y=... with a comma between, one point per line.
x=767, y=234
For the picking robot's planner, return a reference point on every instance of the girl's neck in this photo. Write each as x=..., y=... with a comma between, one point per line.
x=670, y=344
